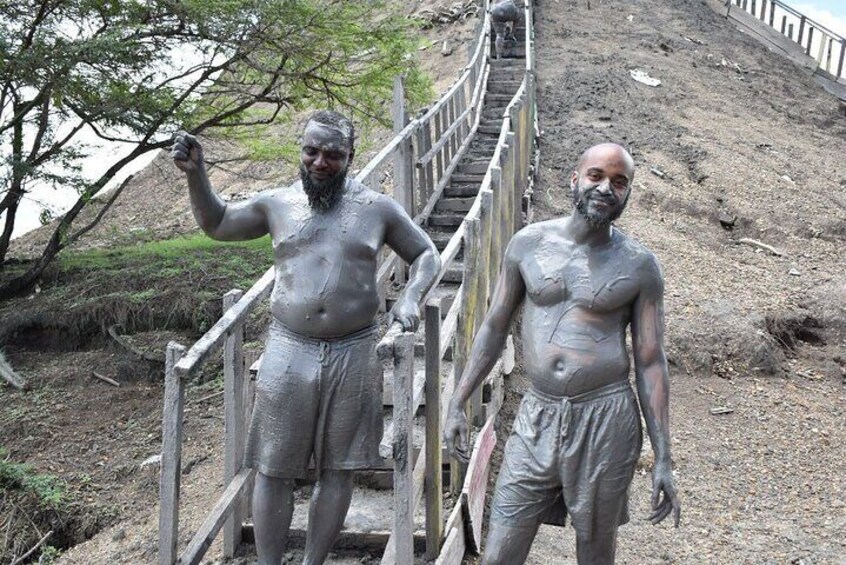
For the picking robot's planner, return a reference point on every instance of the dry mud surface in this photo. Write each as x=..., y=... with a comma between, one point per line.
x=737, y=134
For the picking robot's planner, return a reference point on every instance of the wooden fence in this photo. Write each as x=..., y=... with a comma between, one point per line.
x=819, y=42
x=416, y=165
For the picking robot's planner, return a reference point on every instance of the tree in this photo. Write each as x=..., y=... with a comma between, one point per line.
x=138, y=70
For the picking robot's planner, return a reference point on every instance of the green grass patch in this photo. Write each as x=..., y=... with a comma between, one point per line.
x=167, y=284
x=49, y=490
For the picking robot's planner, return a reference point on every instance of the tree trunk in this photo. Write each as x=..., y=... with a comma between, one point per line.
x=16, y=192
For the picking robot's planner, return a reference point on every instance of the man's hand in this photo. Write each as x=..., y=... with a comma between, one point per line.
x=455, y=433
x=662, y=481
x=187, y=153
x=407, y=314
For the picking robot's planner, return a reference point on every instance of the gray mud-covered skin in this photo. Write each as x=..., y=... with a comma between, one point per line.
x=581, y=283
x=327, y=231
x=504, y=15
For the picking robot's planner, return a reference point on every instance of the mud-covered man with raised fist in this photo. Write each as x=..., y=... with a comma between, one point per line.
x=319, y=388
x=576, y=438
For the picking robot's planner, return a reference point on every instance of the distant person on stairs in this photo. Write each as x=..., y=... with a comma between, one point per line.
x=580, y=284
x=504, y=15
x=319, y=388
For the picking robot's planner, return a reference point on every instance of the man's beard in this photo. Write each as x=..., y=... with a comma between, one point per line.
x=597, y=218
x=322, y=195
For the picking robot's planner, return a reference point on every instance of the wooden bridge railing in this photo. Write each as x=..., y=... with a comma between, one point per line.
x=500, y=209
x=415, y=165
x=819, y=42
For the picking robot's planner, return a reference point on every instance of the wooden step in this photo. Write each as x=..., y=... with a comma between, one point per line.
x=467, y=178
x=493, y=112
x=461, y=190
x=496, y=99
x=461, y=205
x=507, y=64
x=455, y=274
x=440, y=238
x=474, y=167
x=491, y=130
x=504, y=86
x=511, y=74
x=445, y=219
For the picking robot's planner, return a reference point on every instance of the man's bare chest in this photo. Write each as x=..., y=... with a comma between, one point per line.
x=338, y=235
x=602, y=281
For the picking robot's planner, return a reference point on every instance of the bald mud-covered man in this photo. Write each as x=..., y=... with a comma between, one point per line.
x=577, y=436
x=319, y=388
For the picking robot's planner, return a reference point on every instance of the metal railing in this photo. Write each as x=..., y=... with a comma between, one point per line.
x=824, y=45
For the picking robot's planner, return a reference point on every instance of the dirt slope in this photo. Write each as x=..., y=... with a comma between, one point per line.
x=739, y=134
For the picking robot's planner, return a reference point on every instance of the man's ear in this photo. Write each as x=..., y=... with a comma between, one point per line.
x=574, y=178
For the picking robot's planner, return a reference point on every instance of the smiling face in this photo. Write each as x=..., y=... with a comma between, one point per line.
x=602, y=183
x=325, y=152
x=325, y=159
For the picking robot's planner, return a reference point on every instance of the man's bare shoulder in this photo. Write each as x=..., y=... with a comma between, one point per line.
x=638, y=255
x=540, y=231
x=525, y=243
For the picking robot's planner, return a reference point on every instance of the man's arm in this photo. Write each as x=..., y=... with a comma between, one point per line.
x=228, y=222
x=508, y=294
x=653, y=386
x=415, y=248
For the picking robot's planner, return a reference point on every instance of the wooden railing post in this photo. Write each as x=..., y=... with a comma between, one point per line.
x=476, y=281
x=171, y=465
x=402, y=448
x=235, y=428
x=434, y=468
x=497, y=248
x=403, y=164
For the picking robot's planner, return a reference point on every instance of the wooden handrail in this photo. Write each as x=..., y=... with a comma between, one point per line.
x=213, y=339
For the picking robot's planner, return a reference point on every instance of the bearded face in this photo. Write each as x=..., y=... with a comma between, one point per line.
x=598, y=208
x=323, y=194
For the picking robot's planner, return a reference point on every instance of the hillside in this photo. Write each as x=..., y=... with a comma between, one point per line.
x=735, y=144
x=742, y=137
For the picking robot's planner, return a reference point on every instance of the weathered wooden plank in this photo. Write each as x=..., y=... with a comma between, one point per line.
x=476, y=484
x=235, y=431
x=387, y=151
x=449, y=324
x=478, y=282
x=403, y=162
x=171, y=466
x=403, y=530
x=434, y=468
x=213, y=339
x=370, y=542
x=418, y=384
x=205, y=535
x=439, y=138
x=454, y=547
x=418, y=479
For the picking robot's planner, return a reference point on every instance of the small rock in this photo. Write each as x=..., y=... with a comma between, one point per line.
x=794, y=272
x=727, y=221
x=642, y=77
x=153, y=460
x=717, y=410
x=658, y=173
x=630, y=17
x=446, y=50
x=119, y=535
x=786, y=178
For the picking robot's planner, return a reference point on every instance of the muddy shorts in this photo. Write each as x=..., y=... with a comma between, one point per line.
x=320, y=398
x=572, y=455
